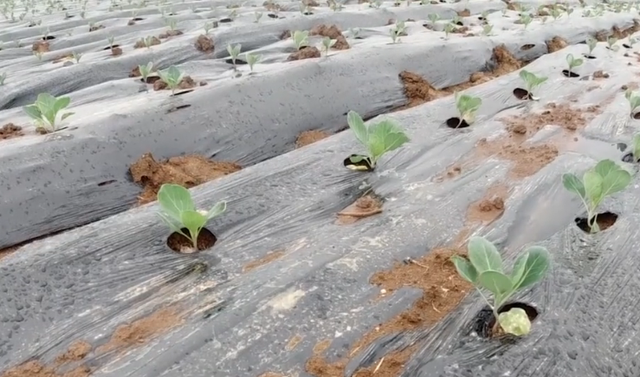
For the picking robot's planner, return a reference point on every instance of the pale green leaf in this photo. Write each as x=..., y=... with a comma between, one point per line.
x=535, y=267
x=65, y=116
x=465, y=269
x=614, y=178
x=573, y=184
x=483, y=255
x=61, y=103
x=193, y=220
x=518, y=268
x=358, y=127
x=496, y=282
x=32, y=111
x=217, y=210
x=515, y=322
x=593, y=187
x=175, y=199
x=636, y=147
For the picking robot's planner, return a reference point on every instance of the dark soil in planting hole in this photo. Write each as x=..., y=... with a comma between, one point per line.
x=605, y=220
x=150, y=79
x=238, y=62
x=483, y=322
x=566, y=73
x=137, y=19
x=522, y=94
x=626, y=158
x=636, y=115
x=526, y=47
x=176, y=108
x=360, y=165
x=588, y=56
x=456, y=123
x=225, y=20
x=626, y=45
x=181, y=244
x=271, y=15
x=48, y=38
x=182, y=92
x=109, y=47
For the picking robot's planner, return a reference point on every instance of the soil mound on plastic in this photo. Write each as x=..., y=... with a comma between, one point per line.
x=309, y=137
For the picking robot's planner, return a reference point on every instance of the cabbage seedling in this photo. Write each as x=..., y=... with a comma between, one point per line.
x=573, y=63
x=258, y=16
x=378, y=138
x=179, y=212
x=172, y=77
x=531, y=81
x=591, y=43
x=234, y=51
x=145, y=70
x=467, y=106
x=433, y=17
x=301, y=38
x=448, y=28
x=526, y=19
x=46, y=109
x=3, y=77
x=486, y=29
x=636, y=148
x=611, y=41
x=76, y=57
x=484, y=270
x=634, y=101
x=604, y=179
x=327, y=43
x=252, y=59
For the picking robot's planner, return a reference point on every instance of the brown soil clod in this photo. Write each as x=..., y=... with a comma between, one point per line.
x=188, y=171
x=140, y=43
x=527, y=160
x=270, y=257
x=600, y=74
x=141, y=331
x=308, y=52
x=77, y=351
x=40, y=46
x=96, y=28
x=204, y=44
x=169, y=34
x=556, y=44
x=365, y=206
x=309, y=137
x=559, y=115
x=464, y=13
x=186, y=83
x=490, y=207
x=332, y=32
x=116, y=51
x=36, y=369
x=9, y=131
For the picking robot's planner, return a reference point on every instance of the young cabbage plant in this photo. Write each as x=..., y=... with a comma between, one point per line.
x=487, y=29
x=433, y=17
x=378, y=138
x=467, y=106
x=525, y=19
x=327, y=43
x=252, y=59
x=179, y=212
x=531, y=81
x=145, y=70
x=602, y=180
x=591, y=43
x=257, y=15
x=301, y=39
x=448, y=28
x=3, y=77
x=46, y=110
x=611, y=43
x=573, y=63
x=172, y=77
x=484, y=270
x=76, y=57
x=234, y=52
x=634, y=101
x=636, y=148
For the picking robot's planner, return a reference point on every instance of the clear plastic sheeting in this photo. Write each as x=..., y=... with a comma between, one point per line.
x=233, y=321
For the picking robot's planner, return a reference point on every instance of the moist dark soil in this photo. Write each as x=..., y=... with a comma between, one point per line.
x=604, y=220
x=188, y=171
x=181, y=244
x=522, y=94
x=9, y=131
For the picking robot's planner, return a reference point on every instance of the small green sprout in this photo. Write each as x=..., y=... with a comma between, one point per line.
x=354, y=32
x=179, y=212
x=484, y=15
x=433, y=17
x=604, y=179
x=111, y=41
x=634, y=100
x=171, y=23
x=448, y=28
x=148, y=41
x=145, y=70
x=484, y=269
x=401, y=28
x=172, y=77
x=38, y=54
x=378, y=138
x=252, y=59
x=327, y=43
x=611, y=43
x=591, y=43
x=555, y=13
x=3, y=77
x=531, y=81
x=76, y=57
x=393, y=33
x=569, y=11
x=46, y=109
x=207, y=27
x=467, y=106
x=487, y=29
x=526, y=19
x=301, y=38
x=257, y=16
x=573, y=63
x=636, y=148
x=234, y=52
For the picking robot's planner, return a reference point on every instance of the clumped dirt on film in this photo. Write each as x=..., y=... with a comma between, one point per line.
x=76, y=352
x=556, y=44
x=308, y=52
x=186, y=83
x=443, y=289
x=365, y=206
x=309, y=137
x=188, y=171
x=419, y=91
x=562, y=115
x=332, y=32
x=270, y=257
x=141, y=331
x=527, y=160
x=9, y=131
x=40, y=46
x=140, y=43
x=204, y=44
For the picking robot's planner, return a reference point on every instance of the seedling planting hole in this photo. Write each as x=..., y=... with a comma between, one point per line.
x=182, y=92
x=567, y=73
x=634, y=155
x=48, y=38
x=181, y=244
x=604, y=221
x=484, y=321
x=522, y=94
x=527, y=47
x=531, y=81
x=110, y=47
x=137, y=19
x=361, y=165
x=455, y=122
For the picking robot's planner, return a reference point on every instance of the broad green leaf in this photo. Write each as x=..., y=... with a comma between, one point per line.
x=593, y=187
x=358, y=127
x=518, y=268
x=217, y=210
x=573, y=184
x=636, y=147
x=61, y=103
x=465, y=269
x=394, y=141
x=498, y=283
x=174, y=224
x=390, y=135
x=483, y=255
x=193, y=220
x=535, y=267
x=65, y=116
x=45, y=101
x=33, y=111
x=376, y=146
x=175, y=199
x=357, y=158
x=515, y=321
x=614, y=178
